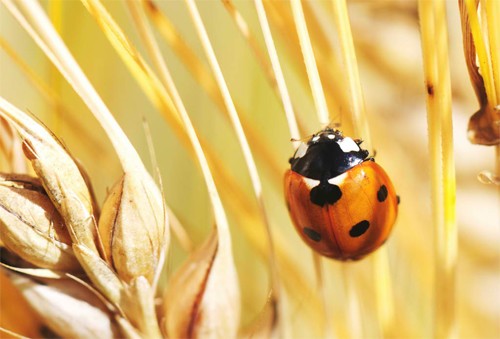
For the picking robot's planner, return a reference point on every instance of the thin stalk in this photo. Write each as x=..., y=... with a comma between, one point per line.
x=383, y=290
x=55, y=14
x=278, y=72
x=206, y=81
x=249, y=160
x=436, y=70
x=355, y=91
x=281, y=19
x=353, y=312
x=237, y=199
x=245, y=30
x=273, y=72
x=52, y=98
x=380, y=260
x=169, y=84
x=320, y=282
x=493, y=18
x=310, y=62
x=44, y=34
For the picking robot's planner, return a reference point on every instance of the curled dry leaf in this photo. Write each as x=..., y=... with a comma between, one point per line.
x=59, y=175
x=484, y=126
x=132, y=226
x=67, y=308
x=31, y=227
x=202, y=299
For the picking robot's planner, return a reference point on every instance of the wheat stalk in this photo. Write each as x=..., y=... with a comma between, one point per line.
x=219, y=135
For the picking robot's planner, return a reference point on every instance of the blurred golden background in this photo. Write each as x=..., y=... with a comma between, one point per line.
x=387, y=40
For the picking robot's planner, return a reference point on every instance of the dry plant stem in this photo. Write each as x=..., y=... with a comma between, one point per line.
x=278, y=73
x=353, y=311
x=250, y=162
x=52, y=98
x=179, y=231
x=273, y=72
x=157, y=94
x=46, y=37
x=137, y=180
x=205, y=79
x=169, y=84
x=242, y=26
x=55, y=9
x=381, y=272
x=310, y=62
x=383, y=291
x=281, y=18
x=252, y=168
x=320, y=281
x=138, y=187
x=358, y=112
x=219, y=282
x=436, y=70
x=318, y=95
x=493, y=18
x=55, y=14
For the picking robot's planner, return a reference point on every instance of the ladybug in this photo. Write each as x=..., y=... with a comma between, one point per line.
x=341, y=202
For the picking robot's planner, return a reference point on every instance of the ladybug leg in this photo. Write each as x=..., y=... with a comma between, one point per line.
x=398, y=198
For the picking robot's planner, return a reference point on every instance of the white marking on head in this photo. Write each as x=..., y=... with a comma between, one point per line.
x=301, y=151
x=348, y=145
x=315, y=138
x=331, y=136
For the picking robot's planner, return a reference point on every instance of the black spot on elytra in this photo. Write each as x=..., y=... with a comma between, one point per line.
x=312, y=234
x=382, y=193
x=399, y=199
x=359, y=229
x=325, y=193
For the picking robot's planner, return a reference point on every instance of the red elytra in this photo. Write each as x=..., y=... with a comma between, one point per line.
x=343, y=209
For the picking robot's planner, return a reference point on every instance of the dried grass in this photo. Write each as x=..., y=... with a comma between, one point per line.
x=221, y=104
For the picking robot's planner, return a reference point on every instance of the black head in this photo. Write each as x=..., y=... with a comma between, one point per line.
x=327, y=154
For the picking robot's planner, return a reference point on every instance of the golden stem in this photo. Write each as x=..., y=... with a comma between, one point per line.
x=436, y=69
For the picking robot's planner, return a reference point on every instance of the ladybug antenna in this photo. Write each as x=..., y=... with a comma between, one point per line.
x=299, y=139
x=335, y=123
x=294, y=140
